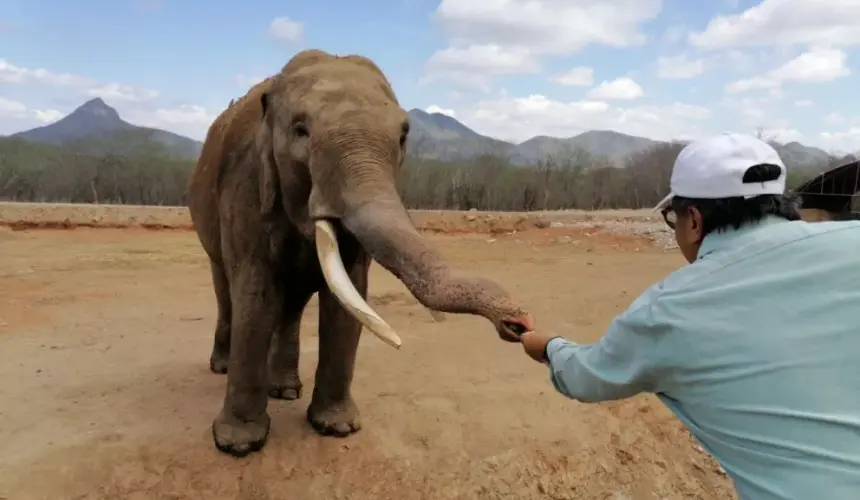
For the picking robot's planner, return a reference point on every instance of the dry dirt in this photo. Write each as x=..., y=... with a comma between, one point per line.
x=105, y=390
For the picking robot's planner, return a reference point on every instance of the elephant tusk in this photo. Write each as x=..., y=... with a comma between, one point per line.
x=341, y=285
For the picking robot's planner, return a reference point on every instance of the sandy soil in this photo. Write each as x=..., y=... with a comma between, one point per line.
x=105, y=390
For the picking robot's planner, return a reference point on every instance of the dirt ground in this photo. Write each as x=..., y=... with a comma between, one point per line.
x=105, y=391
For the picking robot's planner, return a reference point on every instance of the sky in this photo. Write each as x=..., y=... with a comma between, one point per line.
x=510, y=69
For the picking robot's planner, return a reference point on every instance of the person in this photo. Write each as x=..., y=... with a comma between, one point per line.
x=753, y=344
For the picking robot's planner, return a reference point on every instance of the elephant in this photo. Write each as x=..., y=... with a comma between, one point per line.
x=294, y=193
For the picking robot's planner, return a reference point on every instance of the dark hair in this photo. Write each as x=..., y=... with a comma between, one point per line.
x=719, y=214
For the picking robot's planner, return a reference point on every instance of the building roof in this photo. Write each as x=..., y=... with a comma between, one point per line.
x=833, y=189
x=842, y=180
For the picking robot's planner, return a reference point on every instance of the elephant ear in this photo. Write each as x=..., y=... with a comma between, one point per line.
x=269, y=179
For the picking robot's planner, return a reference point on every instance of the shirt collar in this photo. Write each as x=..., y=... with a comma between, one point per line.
x=717, y=240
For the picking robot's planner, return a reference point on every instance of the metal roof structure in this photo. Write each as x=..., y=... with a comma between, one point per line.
x=835, y=190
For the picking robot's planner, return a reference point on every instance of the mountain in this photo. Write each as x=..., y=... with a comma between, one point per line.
x=795, y=154
x=96, y=128
x=442, y=137
x=614, y=146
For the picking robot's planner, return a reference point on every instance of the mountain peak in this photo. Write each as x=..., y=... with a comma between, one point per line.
x=94, y=122
x=97, y=107
x=439, y=122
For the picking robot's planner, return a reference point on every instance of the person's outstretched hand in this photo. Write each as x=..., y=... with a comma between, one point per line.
x=534, y=343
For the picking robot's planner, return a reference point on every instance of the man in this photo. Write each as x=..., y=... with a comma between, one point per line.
x=754, y=345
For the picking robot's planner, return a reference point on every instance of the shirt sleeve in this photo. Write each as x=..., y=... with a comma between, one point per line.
x=625, y=362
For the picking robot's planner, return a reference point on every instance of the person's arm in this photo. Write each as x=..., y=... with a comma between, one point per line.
x=625, y=362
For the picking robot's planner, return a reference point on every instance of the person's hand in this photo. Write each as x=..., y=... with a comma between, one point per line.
x=510, y=329
x=534, y=344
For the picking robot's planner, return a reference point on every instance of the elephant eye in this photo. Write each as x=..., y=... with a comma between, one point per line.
x=403, y=134
x=300, y=129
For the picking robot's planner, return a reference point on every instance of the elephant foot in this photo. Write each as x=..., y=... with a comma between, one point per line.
x=334, y=419
x=238, y=438
x=285, y=386
x=218, y=362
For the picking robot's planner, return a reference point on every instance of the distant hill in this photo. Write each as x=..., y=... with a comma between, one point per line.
x=96, y=128
x=439, y=136
x=442, y=137
x=798, y=155
x=614, y=146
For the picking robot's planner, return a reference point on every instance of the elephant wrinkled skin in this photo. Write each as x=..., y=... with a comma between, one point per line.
x=293, y=194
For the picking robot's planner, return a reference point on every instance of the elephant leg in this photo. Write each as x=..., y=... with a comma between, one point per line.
x=283, y=364
x=332, y=410
x=221, y=345
x=242, y=426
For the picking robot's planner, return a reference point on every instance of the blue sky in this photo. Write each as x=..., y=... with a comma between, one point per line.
x=511, y=69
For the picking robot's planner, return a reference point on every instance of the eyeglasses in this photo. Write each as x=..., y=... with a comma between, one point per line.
x=669, y=216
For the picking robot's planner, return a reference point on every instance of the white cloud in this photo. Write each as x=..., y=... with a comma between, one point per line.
x=754, y=83
x=436, y=109
x=834, y=118
x=127, y=93
x=782, y=135
x=740, y=61
x=548, y=26
x=286, y=29
x=803, y=103
x=16, y=116
x=521, y=118
x=679, y=67
x=189, y=120
x=525, y=30
x=844, y=142
x=8, y=107
x=754, y=114
x=621, y=89
x=575, y=77
x=726, y=61
x=186, y=113
x=784, y=22
x=48, y=115
x=10, y=73
x=756, y=110
x=475, y=65
x=813, y=66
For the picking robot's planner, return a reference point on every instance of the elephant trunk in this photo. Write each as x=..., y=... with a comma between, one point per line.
x=387, y=234
x=378, y=220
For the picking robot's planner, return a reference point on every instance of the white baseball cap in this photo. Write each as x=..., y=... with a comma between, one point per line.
x=715, y=167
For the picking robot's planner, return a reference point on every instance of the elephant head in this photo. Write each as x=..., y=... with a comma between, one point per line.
x=332, y=140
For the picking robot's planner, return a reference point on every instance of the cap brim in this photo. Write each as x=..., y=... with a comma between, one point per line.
x=664, y=202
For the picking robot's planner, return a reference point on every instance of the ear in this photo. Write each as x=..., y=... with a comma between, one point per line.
x=269, y=180
x=695, y=224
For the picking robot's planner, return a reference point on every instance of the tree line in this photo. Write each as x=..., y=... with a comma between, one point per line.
x=147, y=174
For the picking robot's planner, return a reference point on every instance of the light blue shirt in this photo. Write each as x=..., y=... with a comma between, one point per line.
x=755, y=347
